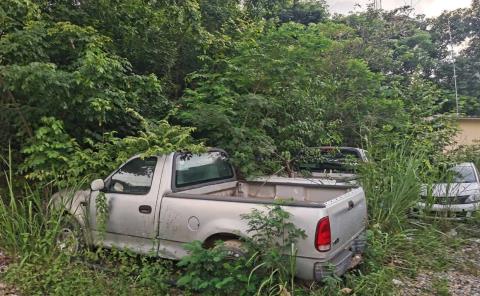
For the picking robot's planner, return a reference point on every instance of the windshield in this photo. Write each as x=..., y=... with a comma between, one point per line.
x=463, y=174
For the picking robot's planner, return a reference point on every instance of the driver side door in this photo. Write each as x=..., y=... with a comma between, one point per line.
x=131, y=194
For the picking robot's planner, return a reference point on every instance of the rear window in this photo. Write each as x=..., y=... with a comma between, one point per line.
x=335, y=160
x=193, y=169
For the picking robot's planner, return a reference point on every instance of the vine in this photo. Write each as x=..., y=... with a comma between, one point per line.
x=101, y=204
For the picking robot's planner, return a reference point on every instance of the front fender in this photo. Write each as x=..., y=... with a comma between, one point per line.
x=72, y=202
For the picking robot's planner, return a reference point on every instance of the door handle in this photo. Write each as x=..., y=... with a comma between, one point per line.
x=144, y=209
x=351, y=204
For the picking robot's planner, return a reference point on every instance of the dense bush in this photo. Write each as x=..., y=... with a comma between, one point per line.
x=246, y=79
x=297, y=86
x=467, y=154
x=52, y=155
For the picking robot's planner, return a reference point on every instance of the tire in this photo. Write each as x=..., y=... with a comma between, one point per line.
x=235, y=248
x=70, y=238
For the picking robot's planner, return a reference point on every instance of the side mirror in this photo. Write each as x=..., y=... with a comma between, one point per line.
x=97, y=185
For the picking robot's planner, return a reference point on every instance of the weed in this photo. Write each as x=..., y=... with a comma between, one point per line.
x=102, y=213
x=210, y=270
x=440, y=286
x=268, y=269
x=273, y=241
x=29, y=230
x=29, y=225
x=398, y=248
x=392, y=185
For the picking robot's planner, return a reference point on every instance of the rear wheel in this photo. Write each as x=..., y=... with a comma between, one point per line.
x=235, y=249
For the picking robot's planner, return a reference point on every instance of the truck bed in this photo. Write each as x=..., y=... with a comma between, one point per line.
x=299, y=190
x=309, y=202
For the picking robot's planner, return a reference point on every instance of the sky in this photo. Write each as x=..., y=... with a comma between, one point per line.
x=428, y=7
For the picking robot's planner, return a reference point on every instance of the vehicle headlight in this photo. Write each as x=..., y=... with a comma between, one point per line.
x=473, y=198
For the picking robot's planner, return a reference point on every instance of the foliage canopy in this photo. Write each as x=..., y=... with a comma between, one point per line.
x=262, y=79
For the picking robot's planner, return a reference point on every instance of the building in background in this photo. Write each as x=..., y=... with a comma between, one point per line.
x=469, y=131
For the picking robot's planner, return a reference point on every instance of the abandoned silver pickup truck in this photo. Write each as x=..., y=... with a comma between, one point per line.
x=157, y=204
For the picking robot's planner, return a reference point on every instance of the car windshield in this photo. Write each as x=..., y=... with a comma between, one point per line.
x=463, y=174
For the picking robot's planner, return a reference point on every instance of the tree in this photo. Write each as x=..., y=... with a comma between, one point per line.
x=74, y=74
x=290, y=88
x=394, y=42
x=305, y=12
x=267, y=9
x=264, y=79
x=464, y=26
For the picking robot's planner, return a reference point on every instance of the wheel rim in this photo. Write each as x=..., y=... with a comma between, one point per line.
x=234, y=254
x=67, y=241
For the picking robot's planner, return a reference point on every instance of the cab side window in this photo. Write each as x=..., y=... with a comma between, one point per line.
x=135, y=177
x=194, y=169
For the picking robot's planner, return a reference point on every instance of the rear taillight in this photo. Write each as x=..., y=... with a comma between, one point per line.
x=323, y=236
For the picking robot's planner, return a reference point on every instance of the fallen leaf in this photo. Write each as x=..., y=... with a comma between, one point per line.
x=346, y=291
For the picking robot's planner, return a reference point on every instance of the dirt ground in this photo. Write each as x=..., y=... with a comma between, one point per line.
x=5, y=289
x=462, y=279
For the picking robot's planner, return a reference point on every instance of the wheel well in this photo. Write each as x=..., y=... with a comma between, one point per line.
x=68, y=215
x=210, y=241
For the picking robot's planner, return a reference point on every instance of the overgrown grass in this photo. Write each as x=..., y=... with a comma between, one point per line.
x=399, y=246
x=29, y=225
x=112, y=273
x=267, y=267
x=394, y=256
x=29, y=228
x=392, y=185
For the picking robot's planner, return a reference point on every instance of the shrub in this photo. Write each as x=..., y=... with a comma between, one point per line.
x=209, y=271
x=52, y=155
x=268, y=269
x=272, y=241
x=467, y=154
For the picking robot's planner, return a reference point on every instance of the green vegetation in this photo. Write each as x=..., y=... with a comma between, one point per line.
x=86, y=84
x=395, y=251
x=265, y=264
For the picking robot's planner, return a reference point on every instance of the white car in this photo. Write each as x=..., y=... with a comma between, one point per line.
x=457, y=199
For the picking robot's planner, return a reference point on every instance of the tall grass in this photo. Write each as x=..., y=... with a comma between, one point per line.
x=29, y=224
x=392, y=184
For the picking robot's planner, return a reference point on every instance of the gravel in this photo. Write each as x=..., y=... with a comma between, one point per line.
x=4, y=288
x=462, y=279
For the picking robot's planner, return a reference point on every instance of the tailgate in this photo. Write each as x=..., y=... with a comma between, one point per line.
x=348, y=217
